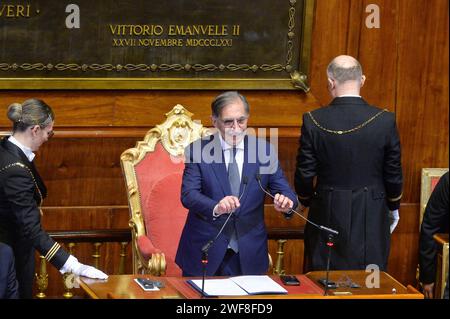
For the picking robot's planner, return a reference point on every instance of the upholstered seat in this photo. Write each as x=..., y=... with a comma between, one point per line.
x=153, y=172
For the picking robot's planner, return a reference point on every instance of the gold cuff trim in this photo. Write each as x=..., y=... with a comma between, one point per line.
x=395, y=199
x=303, y=197
x=51, y=253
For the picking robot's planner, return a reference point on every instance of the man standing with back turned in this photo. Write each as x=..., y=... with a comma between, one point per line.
x=353, y=149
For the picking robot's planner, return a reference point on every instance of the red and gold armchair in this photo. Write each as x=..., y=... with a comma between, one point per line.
x=153, y=172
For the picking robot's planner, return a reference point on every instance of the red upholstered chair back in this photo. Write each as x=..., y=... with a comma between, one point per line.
x=153, y=171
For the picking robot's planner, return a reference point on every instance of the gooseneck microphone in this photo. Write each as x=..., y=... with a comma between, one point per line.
x=331, y=232
x=327, y=229
x=208, y=245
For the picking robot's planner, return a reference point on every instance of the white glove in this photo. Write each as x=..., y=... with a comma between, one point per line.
x=72, y=265
x=394, y=217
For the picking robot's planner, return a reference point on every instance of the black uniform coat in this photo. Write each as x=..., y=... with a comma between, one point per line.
x=21, y=193
x=435, y=220
x=354, y=151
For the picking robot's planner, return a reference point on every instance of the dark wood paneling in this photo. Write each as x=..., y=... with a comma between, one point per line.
x=147, y=108
x=422, y=89
x=330, y=38
x=379, y=63
x=85, y=217
x=84, y=172
x=404, y=253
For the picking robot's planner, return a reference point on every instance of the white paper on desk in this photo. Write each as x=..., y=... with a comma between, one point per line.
x=219, y=287
x=258, y=285
x=239, y=286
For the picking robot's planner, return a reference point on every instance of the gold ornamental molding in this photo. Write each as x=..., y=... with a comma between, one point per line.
x=187, y=75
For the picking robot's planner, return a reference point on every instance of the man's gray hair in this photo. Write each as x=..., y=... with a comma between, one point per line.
x=225, y=99
x=342, y=74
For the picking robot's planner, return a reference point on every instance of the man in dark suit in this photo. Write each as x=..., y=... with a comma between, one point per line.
x=223, y=178
x=435, y=220
x=9, y=289
x=352, y=149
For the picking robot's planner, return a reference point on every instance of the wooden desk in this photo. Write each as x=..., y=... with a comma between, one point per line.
x=124, y=287
x=389, y=288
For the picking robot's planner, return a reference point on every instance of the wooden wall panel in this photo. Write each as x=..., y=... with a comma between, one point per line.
x=330, y=38
x=404, y=253
x=109, y=109
x=379, y=63
x=85, y=217
x=86, y=173
x=406, y=64
x=422, y=89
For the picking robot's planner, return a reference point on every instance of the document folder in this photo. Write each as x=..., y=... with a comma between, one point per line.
x=238, y=286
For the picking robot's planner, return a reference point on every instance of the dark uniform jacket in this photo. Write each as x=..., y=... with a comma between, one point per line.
x=21, y=193
x=353, y=150
x=435, y=220
x=8, y=279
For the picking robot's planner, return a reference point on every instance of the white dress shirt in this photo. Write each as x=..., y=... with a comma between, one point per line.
x=26, y=150
x=227, y=152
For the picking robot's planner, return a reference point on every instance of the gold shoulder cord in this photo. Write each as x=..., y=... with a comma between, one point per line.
x=32, y=176
x=54, y=249
x=346, y=131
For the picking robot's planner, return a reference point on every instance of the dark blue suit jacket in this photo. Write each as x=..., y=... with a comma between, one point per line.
x=9, y=288
x=205, y=183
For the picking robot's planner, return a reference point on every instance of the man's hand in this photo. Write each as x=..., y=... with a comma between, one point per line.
x=282, y=203
x=227, y=205
x=428, y=290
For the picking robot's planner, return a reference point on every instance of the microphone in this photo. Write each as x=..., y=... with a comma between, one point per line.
x=331, y=232
x=208, y=245
x=327, y=229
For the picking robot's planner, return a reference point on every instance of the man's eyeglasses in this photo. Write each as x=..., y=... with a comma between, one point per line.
x=229, y=122
x=50, y=134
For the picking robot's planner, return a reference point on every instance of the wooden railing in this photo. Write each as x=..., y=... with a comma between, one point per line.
x=70, y=238
x=123, y=236
x=281, y=235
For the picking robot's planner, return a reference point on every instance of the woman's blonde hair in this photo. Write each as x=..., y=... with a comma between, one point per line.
x=29, y=113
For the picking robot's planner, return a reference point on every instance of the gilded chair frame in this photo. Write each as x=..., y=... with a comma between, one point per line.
x=442, y=257
x=175, y=133
x=425, y=187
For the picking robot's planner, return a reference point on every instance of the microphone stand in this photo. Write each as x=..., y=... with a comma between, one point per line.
x=204, y=263
x=330, y=244
x=331, y=232
x=211, y=242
